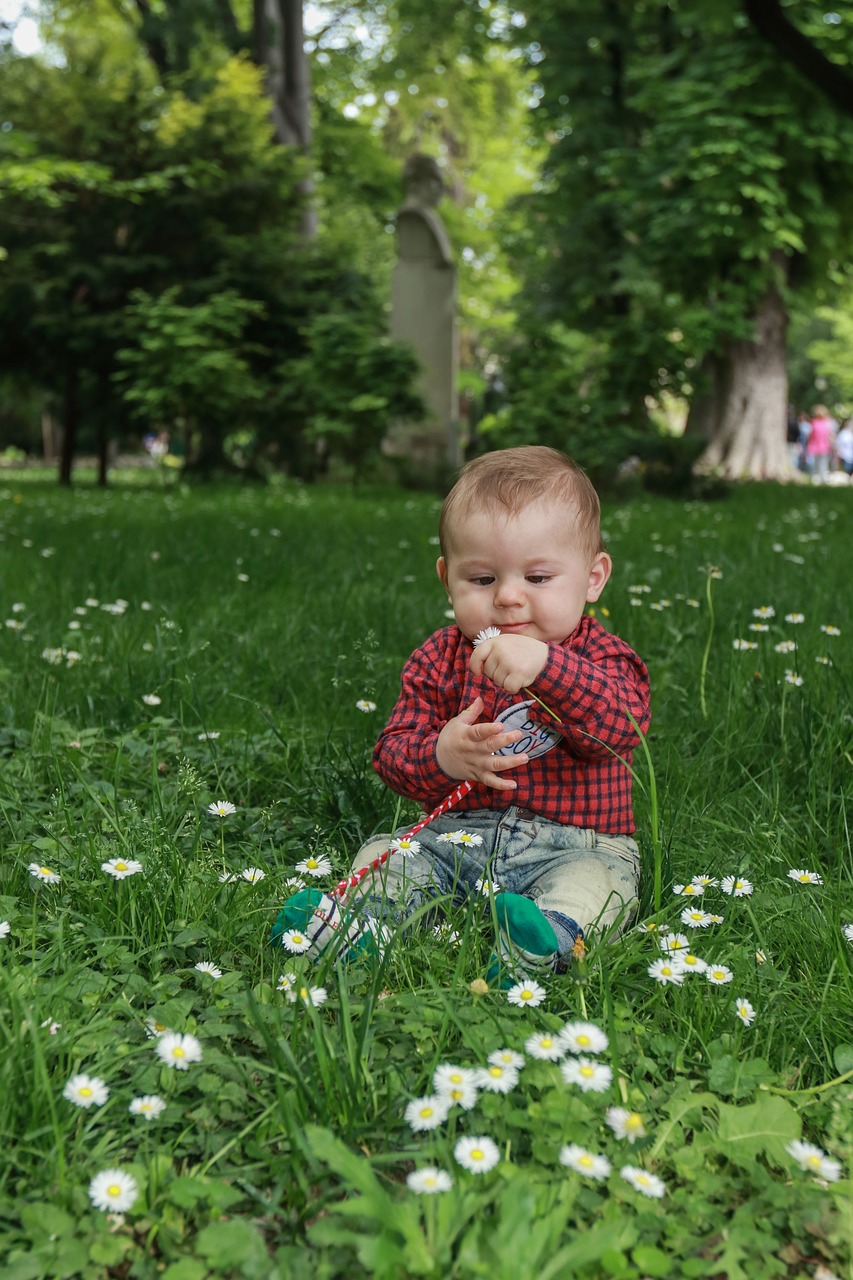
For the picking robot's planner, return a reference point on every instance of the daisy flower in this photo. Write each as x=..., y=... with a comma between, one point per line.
x=113, y=1191
x=43, y=873
x=210, y=735
x=589, y=1076
x=496, y=1078
x=648, y=926
x=695, y=919
x=705, y=882
x=151, y=699
x=847, y=930
x=824, y=662
x=364, y=704
x=286, y=982
x=545, y=1047
x=176, y=1050
x=764, y=611
x=743, y=645
x=688, y=890
x=312, y=996
x=405, y=846
x=488, y=633
x=791, y=677
x=831, y=631
x=813, y=1160
x=5, y=928
x=86, y=1091
x=583, y=1037
x=646, y=1183
x=785, y=646
x=295, y=941
x=487, y=887
x=461, y=1095
x=735, y=887
x=509, y=1057
x=674, y=942
x=527, y=994
x=744, y=1010
x=692, y=964
x=666, y=970
x=312, y=866
x=149, y=1105
x=227, y=877
x=253, y=874
x=120, y=869
x=222, y=808
x=718, y=974
x=712, y=919
x=583, y=1161
x=795, y=618
x=477, y=1155
x=426, y=1113
x=448, y=1076
x=429, y=1180
x=466, y=838
x=625, y=1124
x=293, y=884
x=758, y=626
x=206, y=966
x=52, y=1027
x=805, y=877
x=154, y=1030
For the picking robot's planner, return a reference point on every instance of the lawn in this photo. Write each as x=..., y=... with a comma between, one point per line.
x=168, y=651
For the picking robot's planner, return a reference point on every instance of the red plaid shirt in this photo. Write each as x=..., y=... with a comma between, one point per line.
x=588, y=681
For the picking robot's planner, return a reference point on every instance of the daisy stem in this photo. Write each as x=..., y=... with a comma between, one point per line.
x=654, y=815
x=818, y=1088
x=542, y=704
x=703, y=670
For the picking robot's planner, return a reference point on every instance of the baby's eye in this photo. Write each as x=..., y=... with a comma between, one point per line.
x=484, y=581
x=538, y=577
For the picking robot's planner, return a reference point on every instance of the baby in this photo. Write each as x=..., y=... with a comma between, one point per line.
x=529, y=699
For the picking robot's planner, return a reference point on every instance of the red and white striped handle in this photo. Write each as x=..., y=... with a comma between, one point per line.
x=356, y=878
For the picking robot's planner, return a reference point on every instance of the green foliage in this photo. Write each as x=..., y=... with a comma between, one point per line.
x=187, y=365
x=352, y=382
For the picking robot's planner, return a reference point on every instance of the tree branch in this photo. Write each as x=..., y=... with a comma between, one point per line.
x=769, y=21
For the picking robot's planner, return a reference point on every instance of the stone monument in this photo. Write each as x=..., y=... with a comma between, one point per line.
x=423, y=313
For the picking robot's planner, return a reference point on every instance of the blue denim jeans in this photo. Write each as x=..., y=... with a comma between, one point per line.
x=575, y=871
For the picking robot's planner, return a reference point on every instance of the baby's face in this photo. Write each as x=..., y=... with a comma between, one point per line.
x=526, y=574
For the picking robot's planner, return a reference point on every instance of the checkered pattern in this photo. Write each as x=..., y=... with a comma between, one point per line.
x=588, y=681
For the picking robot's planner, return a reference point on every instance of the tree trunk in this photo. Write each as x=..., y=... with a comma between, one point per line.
x=748, y=441
x=706, y=405
x=279, y=38
x=71, y=418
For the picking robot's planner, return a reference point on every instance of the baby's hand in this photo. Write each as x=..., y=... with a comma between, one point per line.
x=466, y=750
x=513, y=662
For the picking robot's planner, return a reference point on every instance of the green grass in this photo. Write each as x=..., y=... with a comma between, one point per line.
x=284, y=1153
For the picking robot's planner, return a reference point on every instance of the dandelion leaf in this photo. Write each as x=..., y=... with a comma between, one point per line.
x=842, y=1056
x=762, y=1128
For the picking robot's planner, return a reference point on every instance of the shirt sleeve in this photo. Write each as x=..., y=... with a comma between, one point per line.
x=591, y=690
x=404, y=756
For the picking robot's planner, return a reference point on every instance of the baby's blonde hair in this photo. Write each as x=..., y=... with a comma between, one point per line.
x=512, y=479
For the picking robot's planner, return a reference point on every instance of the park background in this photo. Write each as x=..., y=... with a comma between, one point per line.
x=640, y=196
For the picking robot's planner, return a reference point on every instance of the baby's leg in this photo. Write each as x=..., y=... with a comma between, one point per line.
x=590, y=888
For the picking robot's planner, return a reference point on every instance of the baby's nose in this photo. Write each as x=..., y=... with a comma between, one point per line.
x=508, y=591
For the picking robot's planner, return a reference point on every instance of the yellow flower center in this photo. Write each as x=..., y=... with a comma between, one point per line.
x=46, y=871
x=718, y=973
x=496, y=1072
x=634, y=1121
x=587, y=1071
x=526, y=994
x=586, y=1161
x=546, y=1042
x=311, y=863
x=121, y=866
x=688, y=889
x=643, y=1180
x=85, y=1092
x=114, y=1190
x=814, y=1161
x=583, y=1039
x=477, y=1154
x=298, y=939
x=178, y=1052
x=426, y=1112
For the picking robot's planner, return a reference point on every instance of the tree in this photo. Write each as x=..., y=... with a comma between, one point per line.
x=693, y=180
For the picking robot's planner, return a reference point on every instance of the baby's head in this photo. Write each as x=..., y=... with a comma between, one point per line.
x=521, y=544
x=509, y=480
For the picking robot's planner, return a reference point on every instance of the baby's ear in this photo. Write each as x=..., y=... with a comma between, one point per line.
x=441, y=570
x=600, y=571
